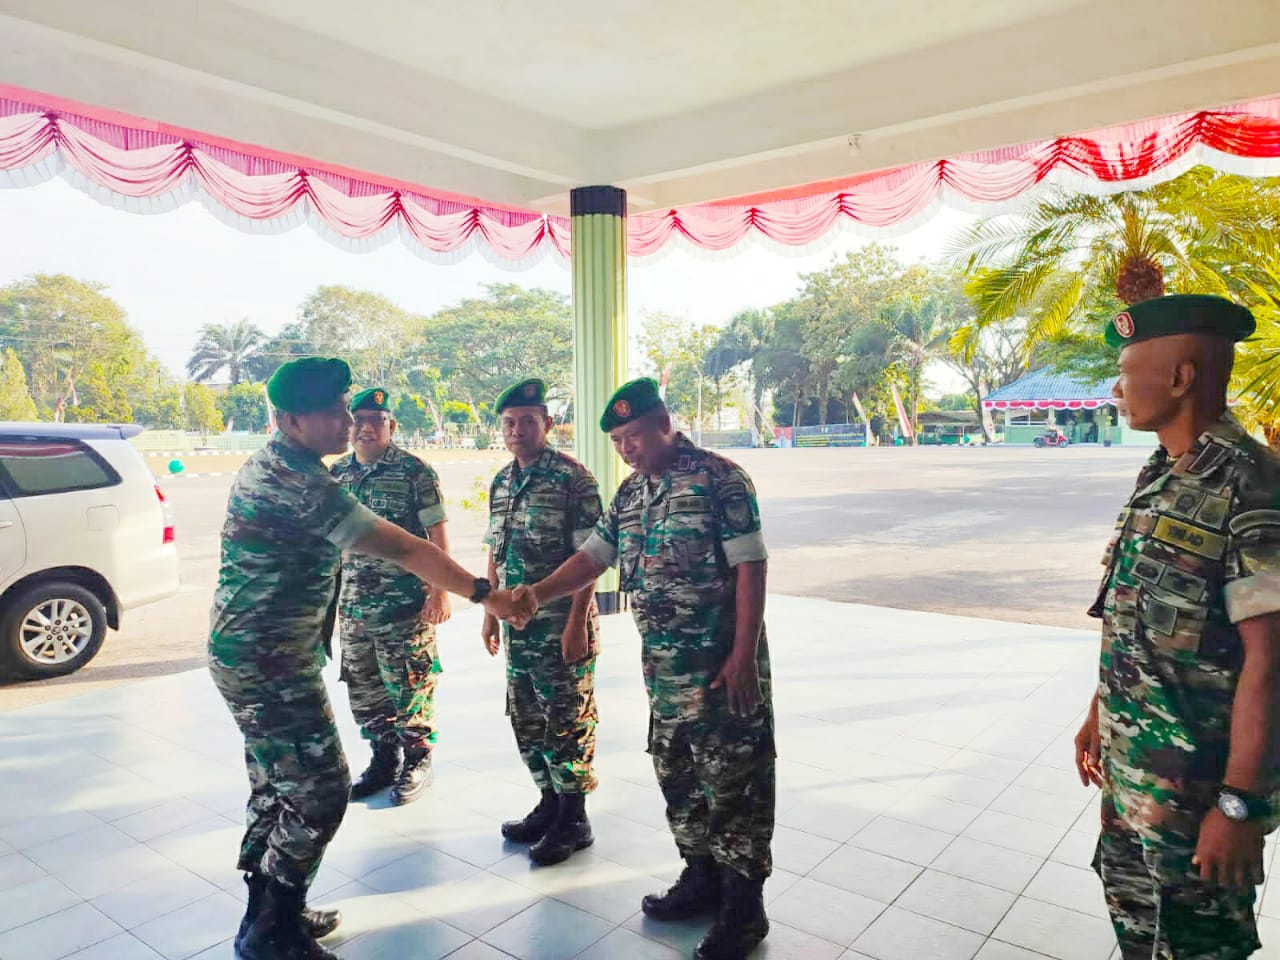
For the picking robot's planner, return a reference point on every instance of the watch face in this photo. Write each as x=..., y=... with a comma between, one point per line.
x=1232, y=807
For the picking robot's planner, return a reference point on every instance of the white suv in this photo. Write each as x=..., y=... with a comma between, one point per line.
x=85, y=534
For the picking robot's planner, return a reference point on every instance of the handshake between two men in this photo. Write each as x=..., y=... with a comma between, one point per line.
x=516, y=607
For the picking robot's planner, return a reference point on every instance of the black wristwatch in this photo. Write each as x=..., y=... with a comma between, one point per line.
x=1239, y=806
x=482, y=589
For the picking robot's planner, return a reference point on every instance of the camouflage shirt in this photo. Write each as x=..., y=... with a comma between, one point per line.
x=287, y=523
x=676, y=543
x=404, y=490
x=1196, y=550
x=538, y=517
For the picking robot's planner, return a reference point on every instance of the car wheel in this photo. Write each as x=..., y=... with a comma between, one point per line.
x=51, y=629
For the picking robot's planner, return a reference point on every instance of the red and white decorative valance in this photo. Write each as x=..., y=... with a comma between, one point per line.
x=1047, y=404
x=147, y=166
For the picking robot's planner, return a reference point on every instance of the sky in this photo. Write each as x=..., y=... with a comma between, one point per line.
x=173, y=272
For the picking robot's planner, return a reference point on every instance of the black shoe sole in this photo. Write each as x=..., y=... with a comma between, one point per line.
x=742, y=949
x=693, y=913
x=580, y=845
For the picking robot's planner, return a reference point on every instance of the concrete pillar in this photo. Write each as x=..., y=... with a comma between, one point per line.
x=598, y=218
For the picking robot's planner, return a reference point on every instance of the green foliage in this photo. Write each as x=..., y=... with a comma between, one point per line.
x=955, y=401
x=411, y=413
x=161, y=408
x=483, y=345
x=200, y=409
x=15, y=399
x=234, y=347
x=244, y=407
x=457, y=412
x=378, y=338
x=1063, y=255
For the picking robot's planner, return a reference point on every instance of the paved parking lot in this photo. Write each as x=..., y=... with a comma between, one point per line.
x=1012, y=534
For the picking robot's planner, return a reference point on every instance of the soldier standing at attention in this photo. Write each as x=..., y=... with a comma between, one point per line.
x=287, y=523
x=684, y=530
x=388, y=617
x=542, y=507
x=1179, y=735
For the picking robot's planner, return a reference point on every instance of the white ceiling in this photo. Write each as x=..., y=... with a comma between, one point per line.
x=644, y=59
x=679, y=101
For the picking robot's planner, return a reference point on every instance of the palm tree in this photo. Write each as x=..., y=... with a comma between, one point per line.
x=235, y=346
x=1256, y=380
x=918, y=334
x=1070, y=248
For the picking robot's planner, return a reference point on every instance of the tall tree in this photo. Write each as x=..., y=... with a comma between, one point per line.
x=15, y=399
x=374, y=334
x=60, y=327
x=200, y=410
x=484, y=344
x=234, y=347
x=244, y=407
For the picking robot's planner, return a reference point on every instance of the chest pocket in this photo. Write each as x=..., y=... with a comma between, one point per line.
x=1176, y=606
x=545, y=516
x=688, y=536
x=389, y=497
x=499, y=510
x=630, y=549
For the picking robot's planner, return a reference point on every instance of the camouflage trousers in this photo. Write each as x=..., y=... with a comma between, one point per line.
x=298, y=778
x=552, y=708
x=1182, y=919
x=391, y=670
x=718, y=779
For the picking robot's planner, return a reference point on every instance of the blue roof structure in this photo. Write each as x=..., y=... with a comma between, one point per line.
x=1045, y=385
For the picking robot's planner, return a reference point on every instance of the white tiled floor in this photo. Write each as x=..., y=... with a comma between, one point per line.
x=927, y=809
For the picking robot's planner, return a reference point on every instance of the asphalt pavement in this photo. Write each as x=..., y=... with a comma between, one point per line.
x=1003, y=533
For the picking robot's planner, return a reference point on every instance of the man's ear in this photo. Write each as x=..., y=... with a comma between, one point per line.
x=1186, y=376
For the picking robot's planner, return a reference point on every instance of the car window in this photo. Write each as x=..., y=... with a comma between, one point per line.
x=30, y=468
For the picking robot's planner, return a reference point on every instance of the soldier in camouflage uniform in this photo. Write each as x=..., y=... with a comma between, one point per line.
x=684, y=529
x=542, y=507
x=287, y=523
x=1179, y=734
x=388, y=617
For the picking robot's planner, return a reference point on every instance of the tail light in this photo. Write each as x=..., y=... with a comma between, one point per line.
x=168, y=515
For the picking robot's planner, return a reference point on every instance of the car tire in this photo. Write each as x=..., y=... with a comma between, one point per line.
x=74, y=624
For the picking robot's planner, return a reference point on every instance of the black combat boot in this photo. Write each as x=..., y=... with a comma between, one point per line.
x=414, y=777
x=570, y=831
x=741, y=923
x=277, y=931
x=695, y=893
x=535, y=824
x=318, y=923
x=380, y=773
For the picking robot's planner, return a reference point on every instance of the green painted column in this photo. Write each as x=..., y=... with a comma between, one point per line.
x=599, y=251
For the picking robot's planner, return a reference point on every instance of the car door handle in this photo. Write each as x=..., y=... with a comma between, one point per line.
x=5, y=523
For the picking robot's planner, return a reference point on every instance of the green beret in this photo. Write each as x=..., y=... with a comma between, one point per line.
x=1180, y=313
x=631, y=400
x=375, y=398
x=526, y=393
x=308, y=384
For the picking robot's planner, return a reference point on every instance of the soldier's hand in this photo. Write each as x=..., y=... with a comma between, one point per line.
x=741, y=683
x=574, y=642
x=1089, y=749
x=1229, y=854
x=438, y=607
x=526, y=600
x=501, y=604
x=491, y=635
